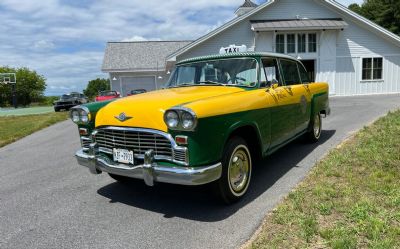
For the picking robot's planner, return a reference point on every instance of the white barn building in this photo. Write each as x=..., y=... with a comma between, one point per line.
x=354, y=55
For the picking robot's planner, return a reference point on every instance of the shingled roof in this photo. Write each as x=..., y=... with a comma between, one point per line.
x=139, y=56
x=248, y=4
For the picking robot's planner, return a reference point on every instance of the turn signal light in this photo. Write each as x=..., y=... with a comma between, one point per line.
x=83, y=131
x=182, y=140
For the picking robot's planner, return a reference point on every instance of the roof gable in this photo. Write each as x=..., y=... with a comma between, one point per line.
x=342, y=10
x=148, y=55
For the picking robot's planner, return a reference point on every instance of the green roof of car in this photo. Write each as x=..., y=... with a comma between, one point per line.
x=235, y=55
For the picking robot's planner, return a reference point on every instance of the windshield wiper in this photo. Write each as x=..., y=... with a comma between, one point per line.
x=209, y=82
x=181, y=85
x=200, y=83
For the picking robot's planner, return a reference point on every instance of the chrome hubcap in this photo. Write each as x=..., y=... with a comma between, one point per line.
x=317, y=126
x=239, y=168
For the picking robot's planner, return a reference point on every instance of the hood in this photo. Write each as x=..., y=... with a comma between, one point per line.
x=147, y=110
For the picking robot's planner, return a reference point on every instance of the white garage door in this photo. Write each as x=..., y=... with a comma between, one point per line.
x=133, y=83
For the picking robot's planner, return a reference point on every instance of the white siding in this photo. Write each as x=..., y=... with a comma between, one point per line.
x=327, y=59
x=290, y=9
x=358, y=41
x=264, y=42
x=348, y=77
x=238, y=34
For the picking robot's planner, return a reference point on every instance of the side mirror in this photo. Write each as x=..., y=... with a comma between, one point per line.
x=273, y=87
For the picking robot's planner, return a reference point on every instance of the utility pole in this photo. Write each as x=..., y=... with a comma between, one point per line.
x=14, y=96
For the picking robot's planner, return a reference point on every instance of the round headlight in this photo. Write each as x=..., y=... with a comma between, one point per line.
x=75, y=116
x=172, y=119
x=187, y=120
x=84, y=116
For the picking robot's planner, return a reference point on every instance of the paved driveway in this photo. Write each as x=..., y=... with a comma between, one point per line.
x=48, y=201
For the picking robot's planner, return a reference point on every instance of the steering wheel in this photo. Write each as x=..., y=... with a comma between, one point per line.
x=241, y=79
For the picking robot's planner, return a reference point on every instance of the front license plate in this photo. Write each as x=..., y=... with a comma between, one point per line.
x=123, y=156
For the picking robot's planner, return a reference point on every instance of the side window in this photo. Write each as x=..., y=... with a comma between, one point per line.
x=290, y=72
x=303, y=74
x=271, y=71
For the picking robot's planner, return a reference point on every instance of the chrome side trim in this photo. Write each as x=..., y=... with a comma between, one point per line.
x=149, y=171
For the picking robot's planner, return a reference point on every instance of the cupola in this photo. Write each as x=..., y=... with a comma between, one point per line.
x=245, y=7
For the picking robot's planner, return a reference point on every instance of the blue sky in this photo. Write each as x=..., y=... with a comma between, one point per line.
x=64, y=40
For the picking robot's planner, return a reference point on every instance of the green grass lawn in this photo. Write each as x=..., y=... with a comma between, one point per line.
x=13, y=128
x=351, y=199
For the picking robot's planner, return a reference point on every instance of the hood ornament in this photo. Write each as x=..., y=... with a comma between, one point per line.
x=122, y=117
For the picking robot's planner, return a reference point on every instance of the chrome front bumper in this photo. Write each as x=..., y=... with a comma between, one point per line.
x=149, y=171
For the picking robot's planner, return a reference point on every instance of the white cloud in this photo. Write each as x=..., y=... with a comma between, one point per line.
x=44, y=44
x=134, y=38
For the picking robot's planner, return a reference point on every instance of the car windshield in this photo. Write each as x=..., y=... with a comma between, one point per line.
x=107, y=94
x=65, y=96
x=230, y=72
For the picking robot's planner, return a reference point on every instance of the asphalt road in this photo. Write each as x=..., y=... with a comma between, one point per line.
x=48, y=201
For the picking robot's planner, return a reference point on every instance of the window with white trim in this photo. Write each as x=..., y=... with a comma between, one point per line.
x=301, y=43
x=372, y=68
x=280, y=43
x=312, y=43
x=291, y=43
x=296, y=43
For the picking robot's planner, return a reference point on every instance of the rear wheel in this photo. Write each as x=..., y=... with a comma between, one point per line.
x=236, y=171
x=315, y=128
x=56, y=109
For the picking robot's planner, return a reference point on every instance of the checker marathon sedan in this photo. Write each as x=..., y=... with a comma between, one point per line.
x=217, y=115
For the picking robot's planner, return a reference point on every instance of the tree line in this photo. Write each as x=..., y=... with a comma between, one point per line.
x=385, y=13
x=30, y=86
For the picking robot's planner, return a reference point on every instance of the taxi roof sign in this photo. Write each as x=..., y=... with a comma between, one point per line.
x=233, y=49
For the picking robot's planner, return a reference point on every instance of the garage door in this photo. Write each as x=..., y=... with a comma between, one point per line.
x=133, y=83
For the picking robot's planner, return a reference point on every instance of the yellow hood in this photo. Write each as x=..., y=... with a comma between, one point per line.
x=147, y=110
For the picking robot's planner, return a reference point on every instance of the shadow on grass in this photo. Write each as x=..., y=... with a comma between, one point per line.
x=198, y=202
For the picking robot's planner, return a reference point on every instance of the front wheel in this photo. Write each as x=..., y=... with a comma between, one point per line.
x=315, y=128
x=236, y=171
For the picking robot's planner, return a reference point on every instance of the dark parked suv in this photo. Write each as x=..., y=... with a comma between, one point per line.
x=67, y=101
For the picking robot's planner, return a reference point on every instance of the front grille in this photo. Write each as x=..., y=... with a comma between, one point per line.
x=180, y=155
x=85, y=142
x=136, y=140
x=65, y=103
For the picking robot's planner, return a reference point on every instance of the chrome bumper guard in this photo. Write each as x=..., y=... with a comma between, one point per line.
x=149, y=171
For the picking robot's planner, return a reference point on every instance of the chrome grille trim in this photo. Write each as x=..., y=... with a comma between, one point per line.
x=140, y=140
x=85, y=142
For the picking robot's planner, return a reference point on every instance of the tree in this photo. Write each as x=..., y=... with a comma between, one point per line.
x=386, y=13
x=95, y=86
x=30, y=86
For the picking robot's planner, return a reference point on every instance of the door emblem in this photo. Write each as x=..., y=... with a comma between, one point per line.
x=122, y=117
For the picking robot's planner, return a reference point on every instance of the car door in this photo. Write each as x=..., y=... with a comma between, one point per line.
x=299, y=100
x=281, y=122
x=294, y=96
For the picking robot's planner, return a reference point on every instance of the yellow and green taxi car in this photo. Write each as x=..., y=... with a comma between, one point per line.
x=216, y=116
